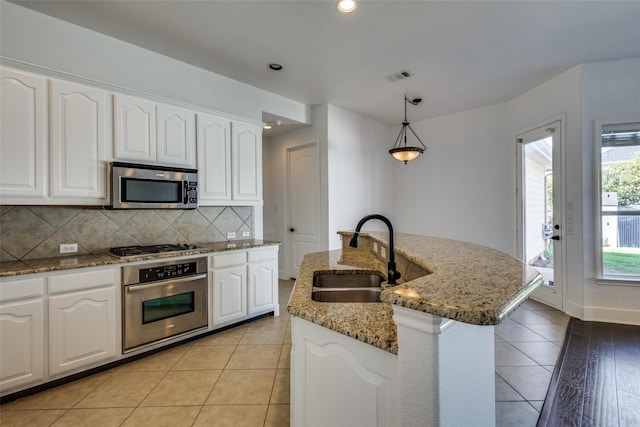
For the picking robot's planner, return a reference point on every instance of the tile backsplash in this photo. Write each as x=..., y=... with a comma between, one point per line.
x=31, y=232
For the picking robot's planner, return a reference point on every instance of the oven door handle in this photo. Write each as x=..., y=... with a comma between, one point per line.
x=133, y=288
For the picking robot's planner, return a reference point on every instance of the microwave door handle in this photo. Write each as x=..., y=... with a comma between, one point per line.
x=185, y=192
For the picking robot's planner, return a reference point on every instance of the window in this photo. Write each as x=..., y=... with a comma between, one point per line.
x=619, y=201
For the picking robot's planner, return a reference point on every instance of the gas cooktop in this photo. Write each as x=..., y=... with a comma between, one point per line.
x=127, y=251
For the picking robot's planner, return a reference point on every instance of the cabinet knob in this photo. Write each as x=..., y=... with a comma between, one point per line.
x=292, y=229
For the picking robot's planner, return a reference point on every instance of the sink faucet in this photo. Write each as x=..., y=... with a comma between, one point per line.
x=392, y=274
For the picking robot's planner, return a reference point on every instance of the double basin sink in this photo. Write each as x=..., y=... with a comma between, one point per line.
x=347, y=286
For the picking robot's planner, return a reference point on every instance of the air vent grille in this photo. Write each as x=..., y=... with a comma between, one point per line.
x=399, y=75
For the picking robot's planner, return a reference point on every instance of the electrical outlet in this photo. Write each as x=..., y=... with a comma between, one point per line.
x=68, y=248
x=231, y=235
x=383, y=252
x=246, y=234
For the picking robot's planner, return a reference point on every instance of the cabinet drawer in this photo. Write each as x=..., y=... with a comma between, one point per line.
x=261, y=255
x=79, y=281
x=228, y=260
x=19, y=289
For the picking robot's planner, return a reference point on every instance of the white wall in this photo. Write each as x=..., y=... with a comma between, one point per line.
x=31, y=38
x=360, y=179
x=274, y=169
x=560, y=97
x=462, y=187
x=610, y=90
x=355, y=174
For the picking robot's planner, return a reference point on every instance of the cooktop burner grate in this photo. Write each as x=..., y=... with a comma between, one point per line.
x=125, y=251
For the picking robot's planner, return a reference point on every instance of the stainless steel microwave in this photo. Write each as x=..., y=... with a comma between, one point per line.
x=135, y=186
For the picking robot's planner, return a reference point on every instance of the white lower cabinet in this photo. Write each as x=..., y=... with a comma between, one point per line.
x=22, y=333
x=263, y=281
x=229, y=275
x=82, y=320
x=358, y=382
x=53, y=325
x=245, y=284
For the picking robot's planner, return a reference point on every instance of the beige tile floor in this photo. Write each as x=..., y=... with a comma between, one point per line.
x=527, y=346
x=240, y=377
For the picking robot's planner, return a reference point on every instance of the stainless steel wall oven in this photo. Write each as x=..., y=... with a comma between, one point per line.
x=163, y=300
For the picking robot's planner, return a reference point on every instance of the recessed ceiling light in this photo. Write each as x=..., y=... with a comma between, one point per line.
x=347, y=6
x=275, y=67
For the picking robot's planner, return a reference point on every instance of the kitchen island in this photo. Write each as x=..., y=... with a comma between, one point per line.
x=424, y=355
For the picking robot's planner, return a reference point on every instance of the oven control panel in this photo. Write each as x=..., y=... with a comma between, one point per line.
x=154, y=274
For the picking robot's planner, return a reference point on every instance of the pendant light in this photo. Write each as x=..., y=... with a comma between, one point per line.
x=400, y=150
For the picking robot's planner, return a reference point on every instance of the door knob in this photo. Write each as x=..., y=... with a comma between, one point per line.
x=555, y=238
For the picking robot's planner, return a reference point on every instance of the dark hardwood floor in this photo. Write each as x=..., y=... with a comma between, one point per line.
x=596, y=381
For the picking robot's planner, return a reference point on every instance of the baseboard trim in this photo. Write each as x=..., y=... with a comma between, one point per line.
x=612, y=315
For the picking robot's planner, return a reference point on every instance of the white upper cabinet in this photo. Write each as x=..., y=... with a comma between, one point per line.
x=246, y=155
x=214, y=158
x=79, y=134
x=53, y=145
x=153, y=133
x=23, y=135
x=229, y=162
x=134, y=128
x=175, y=132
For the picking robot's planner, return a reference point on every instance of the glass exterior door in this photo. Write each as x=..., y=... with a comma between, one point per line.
x=540, y=201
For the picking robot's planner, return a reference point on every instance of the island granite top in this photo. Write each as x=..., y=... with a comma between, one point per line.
x=464, y=281
x=43, y=265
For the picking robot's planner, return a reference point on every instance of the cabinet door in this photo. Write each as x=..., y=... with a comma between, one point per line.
x=134, y=128
x=263, y=286
x=82, y=329
x=175, y=132
x=21, y=343
x=247, y=161
x=214, y=158
x=23, y=134
x=79, y=132
x=229, y=294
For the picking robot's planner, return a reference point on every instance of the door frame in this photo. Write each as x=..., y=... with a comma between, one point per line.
x=288, y=251
x=561, y=186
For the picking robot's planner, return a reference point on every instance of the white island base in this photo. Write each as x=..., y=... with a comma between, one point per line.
x=443, y=375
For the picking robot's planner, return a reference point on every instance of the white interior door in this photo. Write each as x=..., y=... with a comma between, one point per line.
x=303, y=197
x=539, y=189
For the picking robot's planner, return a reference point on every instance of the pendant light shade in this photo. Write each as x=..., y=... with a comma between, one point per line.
x=400, y=150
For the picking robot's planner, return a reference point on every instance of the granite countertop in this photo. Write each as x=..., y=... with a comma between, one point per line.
x=464, y=281
x=43, y=265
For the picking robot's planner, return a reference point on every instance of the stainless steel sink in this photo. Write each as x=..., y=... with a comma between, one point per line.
x=347, y=295
x=349, y=279
x=350, y=286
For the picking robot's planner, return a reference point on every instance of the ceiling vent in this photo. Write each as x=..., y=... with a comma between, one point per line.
x=399, y=75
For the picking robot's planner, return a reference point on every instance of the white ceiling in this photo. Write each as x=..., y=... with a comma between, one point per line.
x=463, y=54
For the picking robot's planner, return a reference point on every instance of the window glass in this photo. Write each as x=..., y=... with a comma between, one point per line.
x=620, y=201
